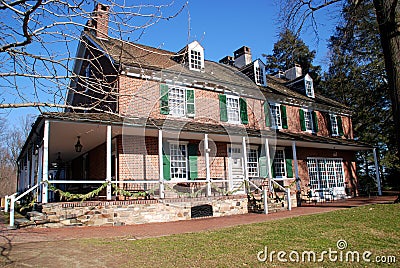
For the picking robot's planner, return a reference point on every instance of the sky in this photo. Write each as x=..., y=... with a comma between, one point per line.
x=221, y=27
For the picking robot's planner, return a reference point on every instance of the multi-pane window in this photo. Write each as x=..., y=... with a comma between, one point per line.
x=309, y=88
x=232, y=106
x=334, y=125
x=195, y=60
x=279, y=163
x=325, y=173
x=308, y=120
x=176, y=101
x=276, y=115
x=252, y=162
x=179, y=163
x=259, y=75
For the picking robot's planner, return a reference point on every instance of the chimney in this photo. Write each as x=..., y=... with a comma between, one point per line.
x=99, y=21
x=294, y=72
x=242, y=56
x=228, y=60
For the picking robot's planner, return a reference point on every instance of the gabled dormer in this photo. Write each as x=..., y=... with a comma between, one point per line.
x=192, y=56
x=303, y=84
x=259, y=73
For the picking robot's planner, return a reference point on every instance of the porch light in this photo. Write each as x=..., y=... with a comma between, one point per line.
x=78, y=146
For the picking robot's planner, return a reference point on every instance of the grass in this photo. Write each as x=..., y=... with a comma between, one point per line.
x=373, y=228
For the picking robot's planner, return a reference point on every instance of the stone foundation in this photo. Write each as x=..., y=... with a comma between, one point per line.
x=116, y=213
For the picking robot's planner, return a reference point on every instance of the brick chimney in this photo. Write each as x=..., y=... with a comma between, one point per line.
x=99, y=22
x=242, y=56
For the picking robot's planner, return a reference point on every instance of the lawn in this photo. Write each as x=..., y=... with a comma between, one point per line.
x=372, y=228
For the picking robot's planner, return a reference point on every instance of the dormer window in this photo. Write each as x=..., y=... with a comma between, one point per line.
x=259, y=73
x=308, y=83
x=196, y=56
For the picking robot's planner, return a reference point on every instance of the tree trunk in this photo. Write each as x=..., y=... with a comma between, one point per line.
x=388, y=17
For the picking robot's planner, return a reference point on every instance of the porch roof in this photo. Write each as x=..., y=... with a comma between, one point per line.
x=186, y=126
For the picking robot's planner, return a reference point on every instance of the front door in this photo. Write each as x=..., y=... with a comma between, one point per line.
x=236, y=168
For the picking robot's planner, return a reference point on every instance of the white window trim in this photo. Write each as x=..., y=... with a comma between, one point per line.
x=274, y=126
x=306, y=110
x=327, y=158
x=229, y=96
x=307, y=78
x=185, y=114
x=174, y=142
x=284, y=163
x=261, y=67
x=336, y=134
x=253, y=147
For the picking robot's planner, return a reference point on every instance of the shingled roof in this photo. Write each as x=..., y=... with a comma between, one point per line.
x=136, y=57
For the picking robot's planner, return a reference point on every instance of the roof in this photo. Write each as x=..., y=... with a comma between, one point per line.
x=136, y=57
x=196, y=127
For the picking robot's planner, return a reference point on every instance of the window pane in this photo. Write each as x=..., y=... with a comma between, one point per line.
x=252, y=162
x=232, y=106
x=276, y=115
x=335, y=130
x=195, y=59
x=178, y=161
x=176, y=101
x=279, y=164
x=308, y=120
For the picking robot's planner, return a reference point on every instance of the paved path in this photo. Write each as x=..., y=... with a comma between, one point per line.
x=139, y=231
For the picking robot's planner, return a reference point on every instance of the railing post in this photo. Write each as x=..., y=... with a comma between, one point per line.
x=12, y=206
x=6, y=203
x=108, y=162
x=265, y=200
x=289, y=206
x=161, y=163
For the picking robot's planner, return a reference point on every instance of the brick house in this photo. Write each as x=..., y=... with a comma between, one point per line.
x=175, y=125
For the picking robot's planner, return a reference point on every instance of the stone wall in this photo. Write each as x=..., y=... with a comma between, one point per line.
x=116, y=213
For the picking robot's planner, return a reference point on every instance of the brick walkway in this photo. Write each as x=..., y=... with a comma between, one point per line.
x=162, y=229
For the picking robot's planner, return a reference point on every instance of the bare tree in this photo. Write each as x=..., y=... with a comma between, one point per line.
x=39, y=40
x=298, y=13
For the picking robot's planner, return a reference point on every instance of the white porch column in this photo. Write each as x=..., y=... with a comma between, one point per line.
x=108, y=162
x=40, y=171
x=269, y=166
x=207, y=158
x=378, y=178
x=161, y=163
x=296, y=166
x=246, y=173
x=45, y=176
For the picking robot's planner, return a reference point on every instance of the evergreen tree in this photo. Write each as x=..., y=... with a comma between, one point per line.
x=357, y=78
x=291, y=50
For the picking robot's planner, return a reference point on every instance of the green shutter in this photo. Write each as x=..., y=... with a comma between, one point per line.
x=222, y=108
x=267, y=113
x=289, y=165
x=164, y=109
x=243, y=111
x=192, y=152
x=284, y=117
x=190, y=111
x=262, y=162
x=166, y=162
x=315, y=121
x=340, y=125
x=302, y=121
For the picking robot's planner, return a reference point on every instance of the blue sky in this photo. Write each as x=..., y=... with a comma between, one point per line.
x=223, y=26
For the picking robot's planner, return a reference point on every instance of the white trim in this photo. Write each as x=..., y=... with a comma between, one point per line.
x=161, y=163
x=233, y=97
x=45, y=176
x=311, y=119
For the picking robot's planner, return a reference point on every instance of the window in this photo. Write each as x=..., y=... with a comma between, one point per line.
x=232, y=106
x=87, y=78
x=259, y=75
x=252, y=162
x=178, y=162
x=309, y=88
x=276, y=116
x=308, y=82
x=195, y=60
x=325, y=173
x=279, y=163
x=177, y=101
x=308, y=120
x=336, y=125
